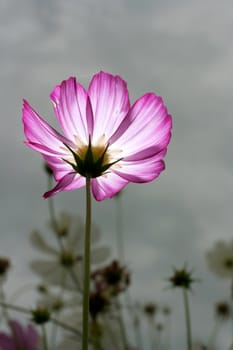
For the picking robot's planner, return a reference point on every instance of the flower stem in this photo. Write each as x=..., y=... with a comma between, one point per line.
x=187, y=319
x=87, y=266
x=44, y=337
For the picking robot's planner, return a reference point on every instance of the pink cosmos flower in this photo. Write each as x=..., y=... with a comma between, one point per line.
x=20, y=338
x=105, y=139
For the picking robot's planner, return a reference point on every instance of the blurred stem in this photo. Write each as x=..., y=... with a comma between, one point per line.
x=86, y=290
x=121, y=257
x=51, y=206
x=2, y=299
x=214, y=334
x=122, y=325
x=65, y=326
x=168, y=331
x=52, y=215
x=187, y=319
x=44, y=337
x=119, y=230
x=138, y=335
x=16, y=308
x=57, y=233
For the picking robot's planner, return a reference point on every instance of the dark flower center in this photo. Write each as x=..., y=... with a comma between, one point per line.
x=66, y=258
x=4, y=265
x=228, y=263
x=91, y=160
x=181, y=278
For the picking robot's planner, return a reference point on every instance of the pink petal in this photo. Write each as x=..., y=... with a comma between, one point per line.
x=70, y=181
x=39, y=133
x=18, y=332
x=59, y=167
x=141, y=171
x=110, y=103
x=107, y=186
x=6, y=342
x=32, y=337
x=73, y=110
x=145, y=131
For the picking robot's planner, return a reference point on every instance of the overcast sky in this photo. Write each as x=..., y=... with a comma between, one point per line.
x=183, y=51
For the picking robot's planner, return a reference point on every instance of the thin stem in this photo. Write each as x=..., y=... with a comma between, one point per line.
x=44, y=337
x=122, y=325
x=121, y=257
x=87, y=266
x=214, y=334
x=55, y=227
x=52, y=214
x=187, y=319
x=16, y=308
x=2, y=298
x=66, y=326
x=137, y=329
x=119, y=230
x=51, y=206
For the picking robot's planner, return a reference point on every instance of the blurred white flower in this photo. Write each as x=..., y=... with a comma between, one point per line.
x=65, y=264
x=57, y=302
x=107, y=327
x=220, y=259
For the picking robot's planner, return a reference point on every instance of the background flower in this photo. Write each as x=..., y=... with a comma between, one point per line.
x=25, y=338
x=220, y=259
x=62, y=261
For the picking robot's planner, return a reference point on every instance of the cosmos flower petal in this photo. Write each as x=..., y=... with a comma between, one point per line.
x=18, y=332
x=141, y=171
x=58, y=166
x=40, y=135
x=110, y=103
x=147, y=126
x=107, y=186
x=149, y=152
x=6, y=342
x=106, y=139
x=43, y=268
x=40, y=244
x=69, y=182
x=72, y=108
x=32, y=338
x=100, y=254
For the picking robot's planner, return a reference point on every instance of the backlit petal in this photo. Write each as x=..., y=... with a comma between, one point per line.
x=40, y=135
x=140, y=171
x=59, y=167
x=145, y=131
x=73, y=110
x=110, y=103
x=107, y=186
x=69, y=182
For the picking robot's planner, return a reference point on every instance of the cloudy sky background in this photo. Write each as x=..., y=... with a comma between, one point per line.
x=183, y=51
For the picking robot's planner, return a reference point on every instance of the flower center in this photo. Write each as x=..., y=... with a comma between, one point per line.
x=66, y=258
x=228, y=263
x=92, y=160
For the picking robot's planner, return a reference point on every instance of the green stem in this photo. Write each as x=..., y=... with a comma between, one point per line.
x=4, y=309
x=44, y=337
x=16, y=308
x=66, y=327
x=137, y=330
x=86, y=286
x=187, y=319
x=119, y=230
x=51, y=207
x=122, y=326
